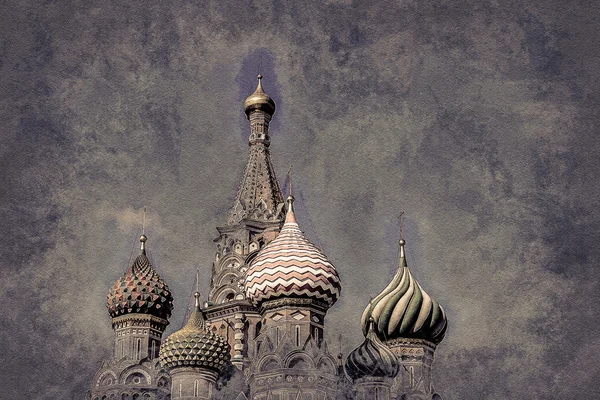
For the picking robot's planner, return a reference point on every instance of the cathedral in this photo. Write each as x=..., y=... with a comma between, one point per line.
x=260, y=335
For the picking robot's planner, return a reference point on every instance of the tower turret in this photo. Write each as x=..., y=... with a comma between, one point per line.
x=293, y=284
x=194, y=357
x=411, y=323
x=140, y=304
x=254, y=220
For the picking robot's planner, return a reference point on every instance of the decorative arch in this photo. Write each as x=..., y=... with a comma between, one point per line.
x=220, y=295
x=238, y=248
x=299, y=360
x=231, y=258
x=105, y=377
x=128, y=375
x=228, y=278
x=163, y=381
x=253, y=246
x=269, y=363
x=326, y=365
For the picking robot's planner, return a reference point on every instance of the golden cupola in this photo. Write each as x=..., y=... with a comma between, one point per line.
x=259, y=101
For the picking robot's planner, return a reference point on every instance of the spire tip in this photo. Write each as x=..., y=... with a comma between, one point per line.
x=143, y=239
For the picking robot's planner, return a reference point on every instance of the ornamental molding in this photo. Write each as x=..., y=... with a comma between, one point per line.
x=317, y=305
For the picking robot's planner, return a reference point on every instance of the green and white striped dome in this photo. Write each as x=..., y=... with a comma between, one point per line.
x=404, y=310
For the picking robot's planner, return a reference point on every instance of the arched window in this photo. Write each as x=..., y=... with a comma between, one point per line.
x=297, y=335
x=196, y=387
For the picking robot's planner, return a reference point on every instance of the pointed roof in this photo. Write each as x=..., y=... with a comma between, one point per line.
x=259, y=194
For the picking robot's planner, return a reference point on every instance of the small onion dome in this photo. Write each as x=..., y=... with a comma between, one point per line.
x=372, y=358
x=291, y=266
x=404, y=310
x=195, y=345
x=140, y=290
x=259, y=100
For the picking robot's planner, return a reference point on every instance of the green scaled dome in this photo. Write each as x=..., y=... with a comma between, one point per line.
x=140, y=290
x=195, y=346
x=404, y=310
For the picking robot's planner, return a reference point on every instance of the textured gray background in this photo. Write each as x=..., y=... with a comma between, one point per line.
x=478, y=118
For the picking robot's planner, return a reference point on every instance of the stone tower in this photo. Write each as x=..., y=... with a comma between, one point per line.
x=140, y=304
x=411, y=323
x=292, y=284
x=194, y=357
x=255, y=219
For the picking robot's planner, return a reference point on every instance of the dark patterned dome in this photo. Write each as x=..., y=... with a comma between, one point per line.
x=404, y=310
x=372, y=359
x=140, y=290
x=195, y=346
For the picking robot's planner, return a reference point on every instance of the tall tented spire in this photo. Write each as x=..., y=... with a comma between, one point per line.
x=259, y=195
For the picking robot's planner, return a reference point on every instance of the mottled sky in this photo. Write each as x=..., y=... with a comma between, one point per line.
x=477, y=118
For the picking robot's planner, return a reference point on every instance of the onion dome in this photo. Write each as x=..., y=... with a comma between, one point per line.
x=404, y=310
x=140, y=290
x=291, y=266
x=259, y=100
x=195, y=345
x=372, y=358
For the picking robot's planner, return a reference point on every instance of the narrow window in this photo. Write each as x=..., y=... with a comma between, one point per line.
x=257, y=332
x=196, y=388
x=138, y=350
x=276, y=336
x=179, y=388
x=297, y=335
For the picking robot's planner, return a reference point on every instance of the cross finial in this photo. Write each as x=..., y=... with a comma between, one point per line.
x=401, y=225
x=402, y=242
x=290, y=178
x=144, y=222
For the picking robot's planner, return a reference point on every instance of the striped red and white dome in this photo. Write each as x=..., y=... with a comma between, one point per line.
x=291, y=266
